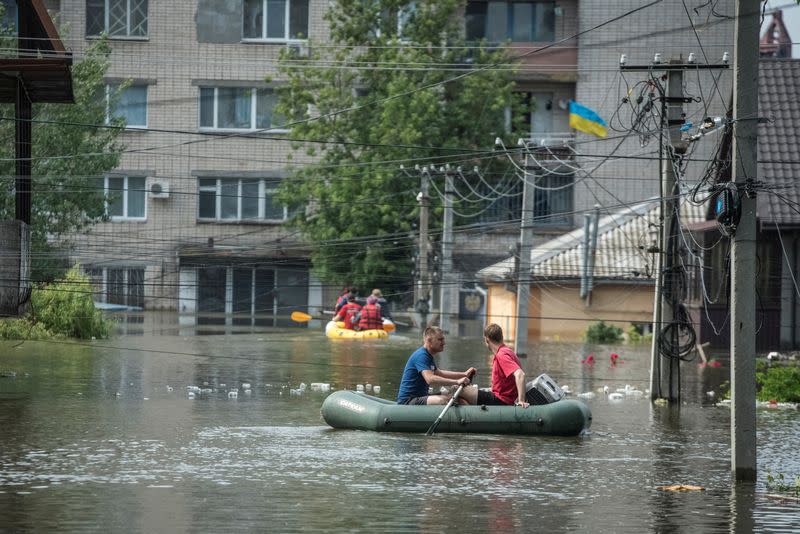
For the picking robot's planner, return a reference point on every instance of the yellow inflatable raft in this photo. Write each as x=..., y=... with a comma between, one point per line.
x=336, y=330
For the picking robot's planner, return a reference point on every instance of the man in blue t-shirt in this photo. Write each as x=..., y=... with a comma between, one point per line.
x=421, y=373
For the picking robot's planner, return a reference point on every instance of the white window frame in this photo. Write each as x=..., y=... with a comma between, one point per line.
x=253, y=111
x=263, y=190
x=127, y=34
x=146, y=114
x=124, y=216
x=286, y=28
x=102, y=290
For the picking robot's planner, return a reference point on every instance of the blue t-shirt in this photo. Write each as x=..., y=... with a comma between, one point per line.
x=413, y=384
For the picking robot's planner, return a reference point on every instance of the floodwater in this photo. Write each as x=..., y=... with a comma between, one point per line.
x=103, y=436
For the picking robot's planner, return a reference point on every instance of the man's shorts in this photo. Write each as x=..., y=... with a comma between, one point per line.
x=415, y=401
x=487, y=398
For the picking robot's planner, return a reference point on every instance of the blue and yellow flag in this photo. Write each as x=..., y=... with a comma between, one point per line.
x=585, y=120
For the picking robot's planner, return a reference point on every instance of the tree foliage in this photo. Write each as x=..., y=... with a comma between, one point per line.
x=70, y=147
x=391, y=89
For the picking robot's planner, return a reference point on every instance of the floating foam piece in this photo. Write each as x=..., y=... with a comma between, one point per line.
x=233, y=394
x=302, y=386
x=587, y=395
x=616, y=396
x=376, y=389
x=190, y=394
x=245, y=385
x=248, y=391
x=359, y=387
x=368, y=387
x=169, y=388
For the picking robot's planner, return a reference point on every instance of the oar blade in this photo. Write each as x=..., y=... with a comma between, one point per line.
x=389, y=327
x=300, y=317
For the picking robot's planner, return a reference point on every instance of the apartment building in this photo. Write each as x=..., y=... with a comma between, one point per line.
x=195, y=226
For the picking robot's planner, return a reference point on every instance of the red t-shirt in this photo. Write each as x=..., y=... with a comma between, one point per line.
x=348, y=313
x=504, y=386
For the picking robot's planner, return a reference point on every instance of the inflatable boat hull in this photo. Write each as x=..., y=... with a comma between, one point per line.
x=358, y=411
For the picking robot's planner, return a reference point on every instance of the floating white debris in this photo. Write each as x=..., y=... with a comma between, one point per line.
x=587, y=395
x=146, y=398
x=615, y=396
x=320, y=386
x=248, y=391
x=245, y=385
x=359, y=387
x=295, y=391
x=118, y=394
x=566, y=389
x=376, y=389
x=302, y=386
x=169, y=388
x=223, y=385
x=205, y=383
x=368, y=387
x=190, y=394
x=233, y=394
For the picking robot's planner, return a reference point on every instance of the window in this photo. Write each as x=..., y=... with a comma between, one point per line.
x=125, y=196
x=238, y=199
x=238, y=108
x=275, y=20
x=514, y=21
x=117, y=18
x=131, y=105
x=118, y=285
x=552, y=204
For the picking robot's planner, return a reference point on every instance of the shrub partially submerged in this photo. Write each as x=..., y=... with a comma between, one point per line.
x=61, y=309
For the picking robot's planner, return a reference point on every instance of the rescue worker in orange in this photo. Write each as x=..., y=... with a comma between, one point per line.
x=347, y=313
x=370, y=315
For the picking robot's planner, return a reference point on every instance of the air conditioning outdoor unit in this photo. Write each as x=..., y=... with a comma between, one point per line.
x=158, y=189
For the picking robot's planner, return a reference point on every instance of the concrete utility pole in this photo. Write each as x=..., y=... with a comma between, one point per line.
x=665, y=369
x=670, y=365
x=524, y=263
x=743, y=251
x=424, y=282
x=447, y=282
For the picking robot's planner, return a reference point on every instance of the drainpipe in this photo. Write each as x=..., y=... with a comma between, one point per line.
x=593, y=253
x=587, y=224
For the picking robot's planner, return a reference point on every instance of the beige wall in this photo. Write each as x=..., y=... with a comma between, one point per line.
x=558, y=313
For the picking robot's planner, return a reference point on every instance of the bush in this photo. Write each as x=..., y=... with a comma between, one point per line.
x=61, y=309
x=779, y=383
x=635, y=335
x=603, y=333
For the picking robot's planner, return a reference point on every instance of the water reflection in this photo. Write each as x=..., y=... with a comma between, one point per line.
x=103, y=436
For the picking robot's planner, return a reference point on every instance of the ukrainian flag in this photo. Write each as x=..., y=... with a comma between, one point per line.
x=585, y=120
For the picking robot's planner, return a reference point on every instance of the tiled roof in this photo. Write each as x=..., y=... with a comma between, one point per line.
x=779, y=141
x=622, y=240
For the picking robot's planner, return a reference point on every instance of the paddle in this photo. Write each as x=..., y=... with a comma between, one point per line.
x=435, y=424
x=301, y=317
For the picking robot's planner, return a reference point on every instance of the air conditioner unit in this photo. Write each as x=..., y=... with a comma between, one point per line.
x=158, y=189
x=300, y=50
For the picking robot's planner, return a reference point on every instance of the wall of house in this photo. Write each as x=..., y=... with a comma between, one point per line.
x=558, y=314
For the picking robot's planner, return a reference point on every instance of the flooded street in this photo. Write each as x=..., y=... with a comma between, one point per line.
x=103, y=436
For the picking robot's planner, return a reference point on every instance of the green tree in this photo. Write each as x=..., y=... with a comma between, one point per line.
x=402, y=77
x=70, y=148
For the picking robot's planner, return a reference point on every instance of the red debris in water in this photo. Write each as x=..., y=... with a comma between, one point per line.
x=589, y=359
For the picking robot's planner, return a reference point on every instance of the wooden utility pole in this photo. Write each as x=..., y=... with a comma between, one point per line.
x=743, y=251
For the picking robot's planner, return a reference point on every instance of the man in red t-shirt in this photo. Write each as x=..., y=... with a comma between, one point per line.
x=508, y=378
x=348, y=312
